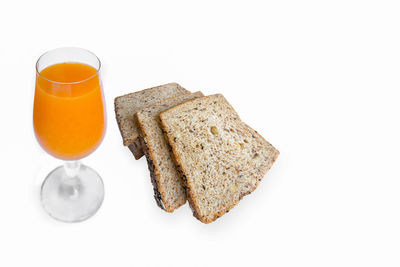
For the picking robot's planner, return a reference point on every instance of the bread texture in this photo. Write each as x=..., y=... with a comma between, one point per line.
x=221, y=159
x=167, y=183
x=126, y=106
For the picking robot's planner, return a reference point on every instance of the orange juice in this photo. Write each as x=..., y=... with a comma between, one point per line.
x=68, y=113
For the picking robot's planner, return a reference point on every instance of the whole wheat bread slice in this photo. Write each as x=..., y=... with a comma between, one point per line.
x=221, y=158
x=168, y=189
x=127, y=105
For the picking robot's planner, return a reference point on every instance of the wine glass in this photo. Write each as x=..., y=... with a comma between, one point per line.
x=69, y=121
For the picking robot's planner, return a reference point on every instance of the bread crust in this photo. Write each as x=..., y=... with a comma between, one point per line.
x=150, y=152
x=186, y=184
x=150, y=165
x=191, y=195
x=154, y=173
x=137, y=148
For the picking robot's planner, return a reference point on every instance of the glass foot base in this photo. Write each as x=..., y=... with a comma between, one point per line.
x=72, y=197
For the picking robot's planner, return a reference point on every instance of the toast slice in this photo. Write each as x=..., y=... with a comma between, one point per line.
x=168, y=189
x=127, y=105
x=221, y=159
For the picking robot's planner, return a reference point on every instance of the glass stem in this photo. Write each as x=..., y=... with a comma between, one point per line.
x=72, y=168
x=70, y=188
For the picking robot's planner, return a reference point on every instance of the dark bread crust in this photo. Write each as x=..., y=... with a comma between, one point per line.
x=150, y=165
x=137, y=148
x=191, y=195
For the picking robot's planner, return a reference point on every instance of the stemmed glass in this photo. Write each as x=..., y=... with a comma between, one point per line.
x=69, y=122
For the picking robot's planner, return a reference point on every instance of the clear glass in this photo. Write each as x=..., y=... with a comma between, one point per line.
x=69, y=122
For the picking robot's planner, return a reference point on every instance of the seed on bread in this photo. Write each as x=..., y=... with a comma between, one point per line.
x=214, y=130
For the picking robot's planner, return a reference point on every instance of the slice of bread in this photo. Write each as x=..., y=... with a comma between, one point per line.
x=126, y=107
x=221, y=159
x=168, y=189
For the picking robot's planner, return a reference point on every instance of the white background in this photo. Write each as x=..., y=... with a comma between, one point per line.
x=318, y=79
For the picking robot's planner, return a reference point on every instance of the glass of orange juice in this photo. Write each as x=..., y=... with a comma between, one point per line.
x=69, y=122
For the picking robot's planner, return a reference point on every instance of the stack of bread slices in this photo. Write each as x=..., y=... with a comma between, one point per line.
x=197, y=148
